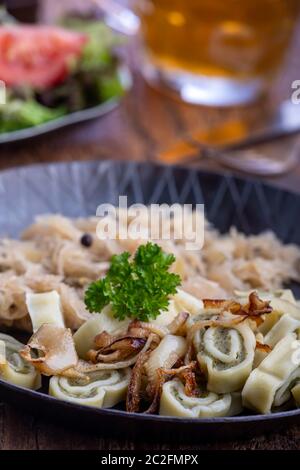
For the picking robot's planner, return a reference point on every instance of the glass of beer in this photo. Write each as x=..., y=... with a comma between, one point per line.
x=215, y=52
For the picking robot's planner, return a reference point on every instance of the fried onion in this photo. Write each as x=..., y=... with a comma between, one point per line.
x=254, y=308
x=85, y=367
x=185, y=373
x=263, y=347
x=119, y=349
x=134, y=388
x=176, y=327
x=51, y=350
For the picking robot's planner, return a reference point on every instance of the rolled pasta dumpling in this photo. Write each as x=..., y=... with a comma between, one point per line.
x=226, y=356
x=270, y=384
x=285, y=325
x=105, y=388
x=175, y=402
x=283, y=294
x=13, y=368
x=282, y=306
x=282, y=302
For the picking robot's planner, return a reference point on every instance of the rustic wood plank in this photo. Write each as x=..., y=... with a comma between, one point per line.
x=50, y=436
x=19, y=430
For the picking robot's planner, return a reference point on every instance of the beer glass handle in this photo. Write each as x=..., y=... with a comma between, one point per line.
x=119, y=17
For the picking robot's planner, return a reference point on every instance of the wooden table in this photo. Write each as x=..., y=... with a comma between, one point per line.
x=146, y=123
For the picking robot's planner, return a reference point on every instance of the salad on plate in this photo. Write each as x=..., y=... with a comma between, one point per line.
x=53, y=71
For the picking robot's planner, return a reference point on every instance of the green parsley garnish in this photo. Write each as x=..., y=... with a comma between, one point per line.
x=137, y=288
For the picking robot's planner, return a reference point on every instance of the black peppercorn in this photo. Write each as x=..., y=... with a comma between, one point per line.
x=86, y=240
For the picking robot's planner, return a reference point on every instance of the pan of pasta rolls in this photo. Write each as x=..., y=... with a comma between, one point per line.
x=143, y=336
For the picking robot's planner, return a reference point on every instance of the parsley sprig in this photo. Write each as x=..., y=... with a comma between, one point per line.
x=136, y=288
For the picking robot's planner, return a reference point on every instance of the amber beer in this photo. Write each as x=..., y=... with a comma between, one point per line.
x=238, y=39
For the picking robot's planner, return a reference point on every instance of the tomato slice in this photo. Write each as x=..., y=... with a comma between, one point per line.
x=37, y=56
